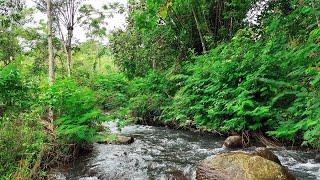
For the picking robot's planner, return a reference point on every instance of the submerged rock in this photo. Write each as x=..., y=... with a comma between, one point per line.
x=317, y=158
x=175, y=175
x=123, y=140
x=233, y=142
x=241, y=166
x=119, y=140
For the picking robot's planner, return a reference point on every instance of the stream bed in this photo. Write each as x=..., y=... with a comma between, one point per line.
x=161, y=153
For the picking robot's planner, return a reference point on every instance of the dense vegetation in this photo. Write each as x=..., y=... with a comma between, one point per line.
x=205, y=67
x=186, y=63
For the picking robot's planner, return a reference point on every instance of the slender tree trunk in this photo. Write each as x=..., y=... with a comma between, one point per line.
x=50, y=46
x=204, y=50
x=69, y=50
x=51, y=75
x=69, y=57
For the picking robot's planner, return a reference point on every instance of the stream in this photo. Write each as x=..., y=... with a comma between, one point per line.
x=161, y=153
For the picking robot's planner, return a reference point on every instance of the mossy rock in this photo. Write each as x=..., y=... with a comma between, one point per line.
x=233, y=142
x=241, y=166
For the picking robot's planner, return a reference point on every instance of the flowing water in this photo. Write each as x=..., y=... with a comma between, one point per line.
x=161, y=153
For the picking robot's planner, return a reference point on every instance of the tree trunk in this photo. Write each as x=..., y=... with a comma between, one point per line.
x=69, y=56
x=69, y=50
x=199, y=31
x=51, y=75
x=50, y=46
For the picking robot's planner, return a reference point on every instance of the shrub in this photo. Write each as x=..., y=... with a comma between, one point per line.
x=21, y=142
x=78, y=118
x=149, y=95
x=111, y=90
x=254, y=85
x=11, y=87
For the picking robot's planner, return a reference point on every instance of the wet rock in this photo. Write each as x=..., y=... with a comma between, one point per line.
x=124, y=140
x=317, y=158
x=241, y=166
x=153, y=166
x=93, y=171
x=175, y=175
x=267, y=154
x=233, y=142
x=119, y=140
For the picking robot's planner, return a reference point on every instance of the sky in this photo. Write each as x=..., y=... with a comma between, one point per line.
x=118, y=21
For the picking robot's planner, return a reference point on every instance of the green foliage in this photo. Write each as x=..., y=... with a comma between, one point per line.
x=141, y=99
x=265, y=79
x=111, y=90
x=16, y=94
x=13, y=15
x=78, y=118
x=21, y=135
x=21, y=143
x=255, y=85
x=182, y=61
x=10, y=86
x=149, y=95
x=153, y=43
x=91, y=59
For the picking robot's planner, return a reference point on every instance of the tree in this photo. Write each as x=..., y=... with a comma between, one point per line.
x=94, y=22
x=12, y=17
x=165, y=32
x=50, y=52
x=50, y=45
x=66, y=17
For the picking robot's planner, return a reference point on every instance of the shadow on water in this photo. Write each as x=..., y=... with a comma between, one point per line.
x=160, y=153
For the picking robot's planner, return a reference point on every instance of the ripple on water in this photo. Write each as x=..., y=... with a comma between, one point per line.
x=300, y=164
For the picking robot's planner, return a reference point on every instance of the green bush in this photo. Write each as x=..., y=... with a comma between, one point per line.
x=263, y=78
x=149, y=95
x=77, y=117
x=141, y=99
x=111, y=90
x=11, y=87
x=254, y=85
x=21, y=135
x=21, y=142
